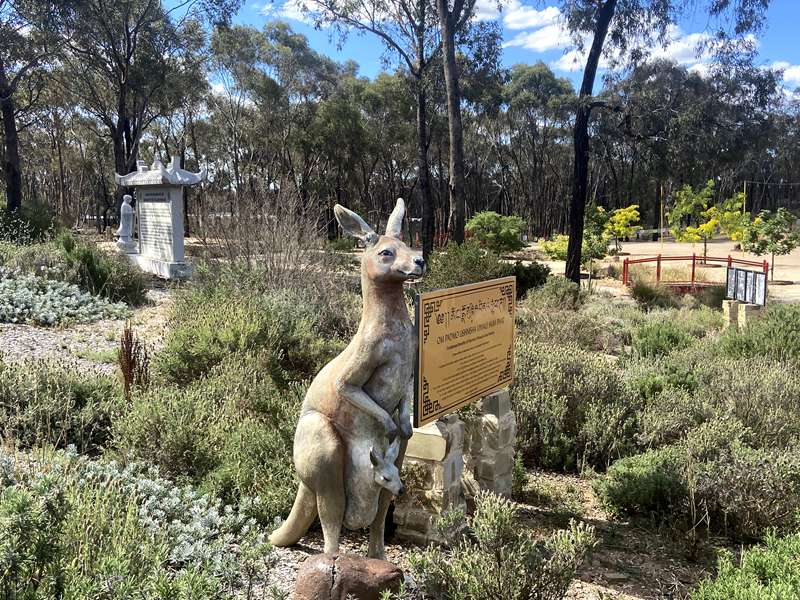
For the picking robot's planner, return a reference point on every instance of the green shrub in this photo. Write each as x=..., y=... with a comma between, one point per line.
x=470, y=263
x=497, y=232
x=343, y=244
x=769, y=572
x=557, y=293
x=230, y=432
x=529, y=276
x=211, y=322
x=712, y=479
x=462, y=264
x=565, y=327
x=746, y=491
x=572, y=407
x=660, y=338
x=43, y=403
x=556, y=249
x=650, y=483
x=91, y=530
x=775, y=335
x=33, y=223
x=111, y=276
x=692, y=386
x=479, y=565
x=39, y=301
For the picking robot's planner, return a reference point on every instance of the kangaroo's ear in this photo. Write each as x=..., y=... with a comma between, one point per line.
x=394, y=226
x=354, y=225
x=393, y=451
x=373, y=458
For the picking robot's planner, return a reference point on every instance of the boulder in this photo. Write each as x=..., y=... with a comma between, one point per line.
x=334, y=576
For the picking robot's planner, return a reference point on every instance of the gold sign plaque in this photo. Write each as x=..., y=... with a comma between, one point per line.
x=466, y=346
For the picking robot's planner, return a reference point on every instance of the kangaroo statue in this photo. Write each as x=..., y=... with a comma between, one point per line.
x=359, y=402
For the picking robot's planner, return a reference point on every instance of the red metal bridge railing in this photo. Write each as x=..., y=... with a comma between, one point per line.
x=729, y=261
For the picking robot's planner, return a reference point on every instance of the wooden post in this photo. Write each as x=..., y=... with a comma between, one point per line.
x=625, y=272
x=658, y=268
x=694, y=262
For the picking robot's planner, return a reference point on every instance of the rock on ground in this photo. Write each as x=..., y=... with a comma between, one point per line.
x=337, y=576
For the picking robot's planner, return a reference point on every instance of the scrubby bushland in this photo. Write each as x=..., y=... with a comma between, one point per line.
x=470, y=263
x=33, y=223
x=221, y=315
x=497, y=232
x=713, y=478
x=43, y=403
x=653, y=295
x=572, y=407
x=660, y=338
x=693, y=386
x=775, y=335
x=40, y=301
x=110, y=275
x=764, y=572
x=73, y=528
x=97, y=272
x=557, y=293
x=496, y=558
x=230, y=431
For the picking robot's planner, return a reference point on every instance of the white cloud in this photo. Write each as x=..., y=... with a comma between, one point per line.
x=486, y=10
x=289, y=9
x=791, y=73
x=520, y=16
x=549, y=37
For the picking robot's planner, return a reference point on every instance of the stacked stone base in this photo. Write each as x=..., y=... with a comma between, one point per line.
x=489, y=446
x=448, y=462
x=739, y=314
x=432, y=474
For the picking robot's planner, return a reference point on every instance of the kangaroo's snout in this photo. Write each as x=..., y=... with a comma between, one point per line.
x=401, y=491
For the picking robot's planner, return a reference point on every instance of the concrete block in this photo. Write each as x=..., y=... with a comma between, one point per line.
x=427, y=443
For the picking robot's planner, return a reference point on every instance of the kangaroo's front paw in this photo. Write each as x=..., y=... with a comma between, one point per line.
x=406, y=430
x=391, y=429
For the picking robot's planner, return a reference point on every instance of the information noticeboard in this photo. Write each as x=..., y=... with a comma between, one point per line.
x=466, y=346
x=746, y=286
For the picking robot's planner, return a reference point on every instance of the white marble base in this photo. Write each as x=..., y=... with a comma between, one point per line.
x=128, y=247
x=162, y=268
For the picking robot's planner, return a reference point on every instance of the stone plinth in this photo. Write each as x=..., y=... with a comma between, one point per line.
x=747, y=314
x=489, y=446
x=432, y=474
x=730, y=310
x=345, y=576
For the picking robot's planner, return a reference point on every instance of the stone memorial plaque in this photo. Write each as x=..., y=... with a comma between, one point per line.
x=155, y=225
x=741, y=284
x=466, y=346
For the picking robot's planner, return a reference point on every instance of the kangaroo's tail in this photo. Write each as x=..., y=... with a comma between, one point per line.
x=304, y=511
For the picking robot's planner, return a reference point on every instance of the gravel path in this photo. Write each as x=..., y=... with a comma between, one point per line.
x=90, y=346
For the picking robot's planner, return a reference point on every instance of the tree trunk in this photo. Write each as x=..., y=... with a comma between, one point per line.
x=11, y=167
x=423, y=176
x=580, y=180
x=456, y=165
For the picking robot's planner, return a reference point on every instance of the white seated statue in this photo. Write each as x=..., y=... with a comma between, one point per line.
x=125, y=230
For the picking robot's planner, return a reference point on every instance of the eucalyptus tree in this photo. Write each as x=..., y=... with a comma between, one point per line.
x=631, y=27
x=407, y=29
x=28, y=43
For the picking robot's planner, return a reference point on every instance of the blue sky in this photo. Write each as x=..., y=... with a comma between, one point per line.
x=532, y=31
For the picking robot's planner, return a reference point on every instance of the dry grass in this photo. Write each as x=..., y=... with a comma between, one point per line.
x=676, y=272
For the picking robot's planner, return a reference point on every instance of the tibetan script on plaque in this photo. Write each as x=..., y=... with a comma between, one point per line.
x=466, y=346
